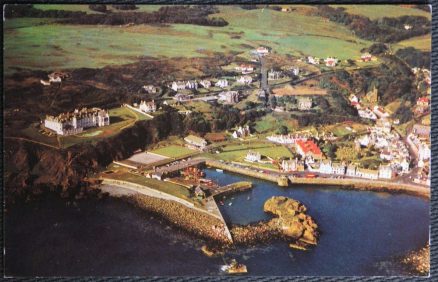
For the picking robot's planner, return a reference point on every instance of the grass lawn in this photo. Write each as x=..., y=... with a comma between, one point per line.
x=340, y=130
x=379, y=11
x=163, y=186
x=273, y=121
x=237, y=153
x=120, y=118
x=32, y=132
x=173, y=151
x=393, y=106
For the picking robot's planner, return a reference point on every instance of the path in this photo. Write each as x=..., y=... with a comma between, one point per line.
x=32, y=141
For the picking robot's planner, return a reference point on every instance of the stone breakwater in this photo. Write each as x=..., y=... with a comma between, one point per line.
x=291, y=223
x=190, y=220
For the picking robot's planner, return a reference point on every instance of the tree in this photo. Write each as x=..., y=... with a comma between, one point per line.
x=283, y=130
x=346, y=153
x=273, y=101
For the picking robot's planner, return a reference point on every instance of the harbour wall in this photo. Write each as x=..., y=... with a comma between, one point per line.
x=175, y=210
x=346, y=183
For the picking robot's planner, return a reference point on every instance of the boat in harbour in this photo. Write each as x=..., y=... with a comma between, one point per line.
x=219, y=170
x=234, y=268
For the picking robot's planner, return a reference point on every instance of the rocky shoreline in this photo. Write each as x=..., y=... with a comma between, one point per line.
x=419, y=261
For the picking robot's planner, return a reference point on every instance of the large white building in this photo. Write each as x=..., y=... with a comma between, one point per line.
x=148, y=107
x=77, y=121
x=181, y=85
x=385, y=171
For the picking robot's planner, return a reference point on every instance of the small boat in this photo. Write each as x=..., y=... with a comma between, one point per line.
x=219, y=170
x=230, y=204
x=249, y=198
x=234, y=267
x=221, y=203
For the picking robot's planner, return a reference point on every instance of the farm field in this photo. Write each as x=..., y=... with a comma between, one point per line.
x=71, y=46
x=383, y=11
x=173, y=151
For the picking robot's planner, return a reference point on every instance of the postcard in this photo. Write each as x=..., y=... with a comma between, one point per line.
x=217, y=140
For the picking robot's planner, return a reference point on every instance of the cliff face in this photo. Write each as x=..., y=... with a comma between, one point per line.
x=31, y=168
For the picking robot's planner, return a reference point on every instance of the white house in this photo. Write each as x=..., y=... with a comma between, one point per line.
x=351, y=170
x=253, y=156
x=313, y=60
x=338, y=168
x=150, y=89
x=325, y=166
x=246, y=79
x=229, y=97
x=304, y=103
x=330, y=62
x=366, y=57
x=245, y=69
x=262, y=51
x=367, y=173
x=366, y=113
x=241, y=132
x=385, y=171
x=222, y=83
x=148, y=107
x=274, y=75
x=195, y=142
x=205, y=83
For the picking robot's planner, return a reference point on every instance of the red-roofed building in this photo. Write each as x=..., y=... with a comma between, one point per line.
x=308, y=149
x=423, y=102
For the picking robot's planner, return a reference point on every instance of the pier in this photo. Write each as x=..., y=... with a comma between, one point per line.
x=231, y=188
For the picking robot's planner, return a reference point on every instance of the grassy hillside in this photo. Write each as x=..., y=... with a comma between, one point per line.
x=50, y=46
x=379, y=11
x=423, y=43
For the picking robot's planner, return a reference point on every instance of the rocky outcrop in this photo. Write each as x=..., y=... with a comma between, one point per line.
x=419, y=261
x=292, y=221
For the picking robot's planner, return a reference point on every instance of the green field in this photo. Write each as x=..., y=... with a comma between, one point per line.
x=423, y=43
x=379, y=11
x=237, y=153
x=166, y=187
x=272, y=122
x=57, y=46
x=173, y=151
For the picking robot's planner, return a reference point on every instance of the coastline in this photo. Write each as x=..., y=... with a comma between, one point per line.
x=344, y=183
x=190, y=219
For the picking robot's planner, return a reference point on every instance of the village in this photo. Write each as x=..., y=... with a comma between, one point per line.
x=397, y=158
